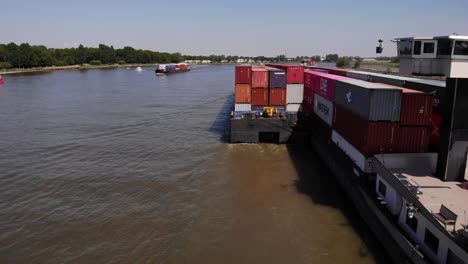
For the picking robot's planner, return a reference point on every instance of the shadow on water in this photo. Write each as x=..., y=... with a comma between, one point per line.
x=220, y=125
x=317, y=181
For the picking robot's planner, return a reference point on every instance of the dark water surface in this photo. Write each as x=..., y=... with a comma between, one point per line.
x=116, y=166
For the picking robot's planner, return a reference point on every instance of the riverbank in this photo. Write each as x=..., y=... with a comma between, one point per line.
x=73, y=67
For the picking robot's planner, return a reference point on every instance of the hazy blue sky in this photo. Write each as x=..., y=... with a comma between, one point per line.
x=238, y=27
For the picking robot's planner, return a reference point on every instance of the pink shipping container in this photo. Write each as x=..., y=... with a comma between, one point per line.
x=277, y=97
x=323, y=83
x=259, y=77
x=243, y=94
x=416, y=107
x=308, y=103
x=368, y=137
x=294, y=73
x=413, y=139
x=260, y=96
x=243, y=74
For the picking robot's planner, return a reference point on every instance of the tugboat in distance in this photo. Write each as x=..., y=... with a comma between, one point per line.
x=171, y=68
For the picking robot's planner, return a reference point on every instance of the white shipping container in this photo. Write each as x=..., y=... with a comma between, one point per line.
x=323, y=109
x=363, y=162
x=293, y=107
x=242, y=107
x=294, y=93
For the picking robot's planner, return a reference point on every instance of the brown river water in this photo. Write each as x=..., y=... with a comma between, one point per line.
x=119, y=166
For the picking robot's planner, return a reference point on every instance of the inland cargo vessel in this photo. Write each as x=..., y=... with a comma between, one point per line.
x=397, y=145
x=171, y=68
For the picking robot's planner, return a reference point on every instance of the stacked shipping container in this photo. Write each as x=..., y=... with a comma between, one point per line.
x=259, y=87
x=294, y=85
x=243, y=97
x=277, y=88
x=415, y=121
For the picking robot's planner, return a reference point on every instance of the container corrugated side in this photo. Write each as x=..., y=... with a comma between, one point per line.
x=308, y=102
x=416, y=107
x=323, y=108
x=412, y=139
x=260, y=96
x=294, y=93
x=277, y=97
x=368, y=137
x=360, y=75
x=294, y=73
x=293, y=107
x=243, y=93
x=277, y=78
x=260, y=77
x=363, y=162
x=389, y=79
x=368, y=100
x=243, y=74
x=242, y=107
x=436, y=88
x=324, y=83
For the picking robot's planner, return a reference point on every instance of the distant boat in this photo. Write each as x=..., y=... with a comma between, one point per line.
x=171, y=68
x=128, y=68
x=139, y=69
x=1, y=80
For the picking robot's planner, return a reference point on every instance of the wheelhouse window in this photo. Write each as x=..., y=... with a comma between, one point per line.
x=417, y=48
x=412, y=222
x=428, y=47
x=444, y=47
x=461, y=48
x=405, y=47
x=382, y=189
x=431, y=241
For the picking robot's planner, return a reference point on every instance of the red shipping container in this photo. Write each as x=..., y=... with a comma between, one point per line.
x=308, y=103
x=278, y=97
x=416, y=107
x=259, y=96
x=323, y=83
x=243, y=74
x=368, y=137
x=259, y=77
x=294, y=73
x=412, y=139
x=243, y=95
x=436, y=122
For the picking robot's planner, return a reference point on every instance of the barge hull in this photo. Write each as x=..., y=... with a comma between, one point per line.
x=353, y=181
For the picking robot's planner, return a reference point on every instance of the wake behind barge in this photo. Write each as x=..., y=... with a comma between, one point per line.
x=397, y=145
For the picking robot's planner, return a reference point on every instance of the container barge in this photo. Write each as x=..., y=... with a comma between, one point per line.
x=171, y=68
x=397, y=145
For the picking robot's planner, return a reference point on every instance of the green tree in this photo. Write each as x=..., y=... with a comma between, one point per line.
x=357, y=64
x=41, y=56
x=342, y=62
x=81, y=55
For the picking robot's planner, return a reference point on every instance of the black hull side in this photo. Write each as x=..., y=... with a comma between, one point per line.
x=398, y=247
x=171, y=72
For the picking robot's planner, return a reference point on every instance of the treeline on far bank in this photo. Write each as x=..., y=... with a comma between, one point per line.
x=27, y=56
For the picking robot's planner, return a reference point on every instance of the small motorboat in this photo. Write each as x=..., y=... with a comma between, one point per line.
x=1, y=80
x=139, y=69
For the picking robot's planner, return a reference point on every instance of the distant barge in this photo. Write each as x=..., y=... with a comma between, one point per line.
x=398, y=146
x=171, y=68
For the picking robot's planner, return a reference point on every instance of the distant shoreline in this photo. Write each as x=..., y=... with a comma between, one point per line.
x=72, y=67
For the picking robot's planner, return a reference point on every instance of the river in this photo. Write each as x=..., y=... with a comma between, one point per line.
x=119, y=166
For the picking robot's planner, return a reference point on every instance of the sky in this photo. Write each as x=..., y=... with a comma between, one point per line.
x=236, y=27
